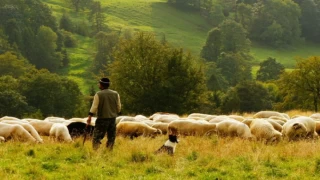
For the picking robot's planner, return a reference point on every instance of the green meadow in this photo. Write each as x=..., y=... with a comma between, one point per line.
x=181, y=29
x=198, y=158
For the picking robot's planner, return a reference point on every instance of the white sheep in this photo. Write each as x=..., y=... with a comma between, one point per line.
x=136, y=129
x=267, y=114
x=301, y=127
x=28, y=127
x=60, y=132
x=15, y=131
x=190, y=128
x=43, y=127
x=233, y=128
x=263, y=130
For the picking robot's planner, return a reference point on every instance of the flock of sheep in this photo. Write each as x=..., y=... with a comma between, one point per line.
x=266, y=126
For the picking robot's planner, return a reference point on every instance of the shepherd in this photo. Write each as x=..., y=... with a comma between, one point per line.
x=106, y=105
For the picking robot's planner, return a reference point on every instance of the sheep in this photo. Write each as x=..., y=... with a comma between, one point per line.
x=158, y=116
x=77, y=129
x=233, y=128
x=43, y=127
x=301, y=127
x=162, y=126
x=60, y=132
x=136, y=129
x=190, y=128
x=263, y=130
x=9, y=118
x=28, y=127
x=2, y=139
x=15, y=131
x=197, y=116
x=267, y=114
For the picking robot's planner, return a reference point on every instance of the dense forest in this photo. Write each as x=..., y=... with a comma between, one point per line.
x=150, y=73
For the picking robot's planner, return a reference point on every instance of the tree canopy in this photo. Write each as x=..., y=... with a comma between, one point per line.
x=151, y=76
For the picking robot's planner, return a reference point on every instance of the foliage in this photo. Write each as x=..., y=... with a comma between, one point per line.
x=300, y=87
x=66, y=23
x=270, y=69
x=11, y=65
x=276, y=23
x=54, y=95
x=310, y=19
x=235, y=67
x=247, y=96
x=151, y=76
x=105, y=44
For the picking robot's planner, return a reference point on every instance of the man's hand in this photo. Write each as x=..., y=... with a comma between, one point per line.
x=89, y=120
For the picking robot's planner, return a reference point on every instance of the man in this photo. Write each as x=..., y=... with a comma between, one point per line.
x=106, y=105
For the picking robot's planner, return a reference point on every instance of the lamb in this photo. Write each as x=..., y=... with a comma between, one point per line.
x=15, y=131
x=60, y=132
x=190, y=128
x=301, y=127
x=233, y=128
x=136, y=129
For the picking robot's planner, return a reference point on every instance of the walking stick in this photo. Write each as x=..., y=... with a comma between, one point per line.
x=85, y=134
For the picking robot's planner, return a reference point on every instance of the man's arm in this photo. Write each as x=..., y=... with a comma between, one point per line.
x=94, y=108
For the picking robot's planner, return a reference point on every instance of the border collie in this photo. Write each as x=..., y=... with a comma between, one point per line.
x=169, y=146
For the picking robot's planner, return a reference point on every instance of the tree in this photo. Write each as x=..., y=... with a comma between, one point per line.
x=300, y=88
x=235, y=67
x=310, y=20
x=105, y=43
x=79, y=4
x=247, y=96
x=281, y=16
x=46, y=56
x=52, y=94
x=12, y=102
x=212, y=49
x=270, y=69
x=66, y=23
x=97, y=17
x=11, y=65
x=233, y=37
x=152, y=77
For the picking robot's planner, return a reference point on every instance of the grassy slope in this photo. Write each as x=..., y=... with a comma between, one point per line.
x=186, y=30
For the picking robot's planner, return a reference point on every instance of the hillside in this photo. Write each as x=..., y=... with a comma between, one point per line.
x=181, y=29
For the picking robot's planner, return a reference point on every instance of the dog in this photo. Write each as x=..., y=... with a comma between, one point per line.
x=169, y=146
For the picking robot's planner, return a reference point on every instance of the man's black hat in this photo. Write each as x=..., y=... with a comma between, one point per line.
x=104, y=80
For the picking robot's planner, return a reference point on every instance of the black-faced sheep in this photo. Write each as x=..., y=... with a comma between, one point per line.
x=77, y=129
x=136, y=129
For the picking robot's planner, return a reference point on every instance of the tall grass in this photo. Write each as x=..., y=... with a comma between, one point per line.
x=195, y=158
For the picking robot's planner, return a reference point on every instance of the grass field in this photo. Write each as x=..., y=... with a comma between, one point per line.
x=195, y=158
x=181, y=29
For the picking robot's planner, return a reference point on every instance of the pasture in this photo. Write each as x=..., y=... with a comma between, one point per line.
x=205, y=157
x=195, y=158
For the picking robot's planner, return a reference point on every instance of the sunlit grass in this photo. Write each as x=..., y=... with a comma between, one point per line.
x=195, y=158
